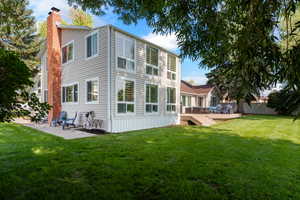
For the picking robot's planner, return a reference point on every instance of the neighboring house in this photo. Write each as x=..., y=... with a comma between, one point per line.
x=202, y=96
x=128, y=82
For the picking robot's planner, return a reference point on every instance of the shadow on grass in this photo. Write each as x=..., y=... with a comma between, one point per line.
x=165, y=163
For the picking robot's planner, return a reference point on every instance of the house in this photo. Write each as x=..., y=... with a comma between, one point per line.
x=201, y=96
x=128, y=82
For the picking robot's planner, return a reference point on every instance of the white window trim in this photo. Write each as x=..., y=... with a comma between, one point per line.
x=68, y=61
x=85, y=44
x=158, y=106
x=168, y=70
x=117, y=34
x=78, y=93
x=129, y=102
x=98, y=100
x=176, y=101
x=153, y=66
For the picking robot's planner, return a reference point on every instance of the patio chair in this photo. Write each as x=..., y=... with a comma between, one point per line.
x=69, y=122
x=59, y=121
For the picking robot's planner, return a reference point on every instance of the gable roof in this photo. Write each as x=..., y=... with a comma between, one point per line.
x=195, y=89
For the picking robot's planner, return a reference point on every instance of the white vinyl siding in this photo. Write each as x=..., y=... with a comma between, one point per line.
x=70, y=93
x=68, y=52
x=92, y=90
x=125, y=96
x=171, y=99
x=171, y=74
x=91, y=42
x=151, y=105
x=125, y=53
x=152, y=61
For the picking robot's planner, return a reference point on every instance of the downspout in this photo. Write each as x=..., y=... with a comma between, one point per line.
x=109, y=79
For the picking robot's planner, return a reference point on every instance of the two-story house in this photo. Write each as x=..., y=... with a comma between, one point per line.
x=128, y=82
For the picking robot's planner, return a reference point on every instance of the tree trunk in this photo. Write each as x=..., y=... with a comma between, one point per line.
x=240, y=106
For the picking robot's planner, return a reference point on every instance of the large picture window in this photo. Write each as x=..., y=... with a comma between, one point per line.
x=125, y=52
x=68, y=52
x=92, y=90
x=70, y=93
x=171, y=99
x=151, y=61
x=125, y=96
x=92, y=45
x=171, y=67
x=151, y=105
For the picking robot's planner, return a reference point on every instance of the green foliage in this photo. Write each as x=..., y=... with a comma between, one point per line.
x=15, y=78
x=38, y=110
x=17, y=30
x=285, y=102
x=81, y=18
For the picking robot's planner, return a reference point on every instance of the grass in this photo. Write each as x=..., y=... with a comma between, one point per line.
x=255, y=157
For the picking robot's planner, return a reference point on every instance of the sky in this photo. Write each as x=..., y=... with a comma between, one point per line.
x=189, y=70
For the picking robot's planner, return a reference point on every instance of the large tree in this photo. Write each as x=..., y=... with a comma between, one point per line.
x=17, y=30
x=235, y=35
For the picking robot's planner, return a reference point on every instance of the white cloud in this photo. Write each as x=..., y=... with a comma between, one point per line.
x=201, y=80
x=167, y=41
x=42, y=7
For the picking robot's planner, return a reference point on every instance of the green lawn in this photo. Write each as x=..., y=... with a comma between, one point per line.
x=255, y=157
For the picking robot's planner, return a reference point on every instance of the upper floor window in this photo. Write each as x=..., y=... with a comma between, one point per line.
x=151, y=98
x=171, y=99
x=92, y=90
x=171, y=67
x=151, y=61
x=91, y=45
x=70, y=93
x=125, y=52
x=125, y=96
x=68, y=52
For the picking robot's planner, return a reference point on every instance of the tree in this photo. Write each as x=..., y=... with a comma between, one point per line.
x=78, y=16
x=192, y=82
x=17, y=30
x=15, y=78
x=239, y=36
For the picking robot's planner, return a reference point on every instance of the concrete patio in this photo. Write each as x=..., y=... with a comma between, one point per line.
x=67, y=134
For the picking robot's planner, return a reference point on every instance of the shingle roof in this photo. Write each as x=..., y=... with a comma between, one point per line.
x=195, y=89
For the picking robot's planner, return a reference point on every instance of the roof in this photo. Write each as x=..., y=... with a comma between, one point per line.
x=195, y=89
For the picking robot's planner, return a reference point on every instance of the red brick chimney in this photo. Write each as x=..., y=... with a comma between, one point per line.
x=54, y=63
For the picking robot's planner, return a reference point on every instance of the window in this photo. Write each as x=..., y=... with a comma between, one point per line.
x=125, y=96
x=183, y=100
x=151, y=61
x=125, y=52
x=91, y=45
x=151, y=98
x=200, y=101
x=68, y=52
x=92, y=90
x=70, y=93
x=171, y=67
x=214, y=101
x=189, y=101
x=171, y=99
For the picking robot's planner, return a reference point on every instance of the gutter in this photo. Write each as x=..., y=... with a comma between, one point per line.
x=109, y=80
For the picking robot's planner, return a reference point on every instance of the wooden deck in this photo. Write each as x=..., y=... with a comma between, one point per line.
x=206, y=119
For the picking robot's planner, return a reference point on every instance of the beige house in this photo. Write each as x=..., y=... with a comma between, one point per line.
x=197, y=96
x=128, y=82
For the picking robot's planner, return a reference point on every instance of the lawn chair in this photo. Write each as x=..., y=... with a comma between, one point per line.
x=59, y=121
x=69, y=122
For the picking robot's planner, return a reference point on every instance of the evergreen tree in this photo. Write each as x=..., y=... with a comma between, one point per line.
x=17, y=30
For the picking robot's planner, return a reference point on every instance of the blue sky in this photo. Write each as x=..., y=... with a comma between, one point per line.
x=190, y=70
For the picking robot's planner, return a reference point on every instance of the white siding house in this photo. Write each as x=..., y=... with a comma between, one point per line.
x=124, y=79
